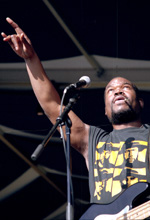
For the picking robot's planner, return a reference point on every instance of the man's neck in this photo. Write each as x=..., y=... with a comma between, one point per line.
x=137, y=124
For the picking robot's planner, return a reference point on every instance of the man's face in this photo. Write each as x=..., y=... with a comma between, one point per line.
x=120, y=97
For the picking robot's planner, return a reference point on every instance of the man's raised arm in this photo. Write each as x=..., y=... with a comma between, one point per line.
x=44, y=90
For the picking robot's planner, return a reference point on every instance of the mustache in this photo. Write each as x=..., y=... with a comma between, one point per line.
x=126, y=99
x=120, y=96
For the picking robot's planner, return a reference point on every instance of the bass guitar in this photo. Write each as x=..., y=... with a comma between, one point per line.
x=121, y=208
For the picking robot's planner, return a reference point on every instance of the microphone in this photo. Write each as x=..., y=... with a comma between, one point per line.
x=83, y=82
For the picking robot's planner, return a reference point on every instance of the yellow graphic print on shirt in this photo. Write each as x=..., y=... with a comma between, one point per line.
x=120, y=165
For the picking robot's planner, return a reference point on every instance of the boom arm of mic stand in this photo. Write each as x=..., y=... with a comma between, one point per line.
x=59, y=121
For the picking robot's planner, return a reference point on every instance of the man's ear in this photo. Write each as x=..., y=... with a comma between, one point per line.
x=141, y=101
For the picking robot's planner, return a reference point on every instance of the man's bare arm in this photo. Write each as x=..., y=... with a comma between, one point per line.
x=44, y=90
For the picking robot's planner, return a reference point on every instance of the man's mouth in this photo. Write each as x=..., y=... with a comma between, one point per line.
x=119, y=99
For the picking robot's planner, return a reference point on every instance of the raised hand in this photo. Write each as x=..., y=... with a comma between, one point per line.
x=19, y=42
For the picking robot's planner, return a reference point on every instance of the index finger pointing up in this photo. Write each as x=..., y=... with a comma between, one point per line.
x=14, y=25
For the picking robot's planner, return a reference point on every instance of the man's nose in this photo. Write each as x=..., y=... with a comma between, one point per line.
x=118, y=91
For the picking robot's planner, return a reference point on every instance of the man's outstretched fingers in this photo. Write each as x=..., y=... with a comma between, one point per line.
x=17, y=29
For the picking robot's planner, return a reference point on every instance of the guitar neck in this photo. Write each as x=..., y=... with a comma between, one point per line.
x=140, y=212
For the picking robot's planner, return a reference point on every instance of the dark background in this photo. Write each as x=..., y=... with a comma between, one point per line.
x=108, y=28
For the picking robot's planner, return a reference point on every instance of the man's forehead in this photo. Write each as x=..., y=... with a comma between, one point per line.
x=118, y=81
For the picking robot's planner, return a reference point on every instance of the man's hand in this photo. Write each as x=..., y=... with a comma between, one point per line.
x=19, y=42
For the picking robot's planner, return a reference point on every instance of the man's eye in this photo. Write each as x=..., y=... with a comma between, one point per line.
x=110, y=90
x=126, y=87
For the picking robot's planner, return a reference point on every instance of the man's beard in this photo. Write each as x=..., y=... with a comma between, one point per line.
x=123, y=117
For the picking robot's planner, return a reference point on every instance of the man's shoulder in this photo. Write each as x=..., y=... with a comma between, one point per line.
x=146, y=126
x=95, y=130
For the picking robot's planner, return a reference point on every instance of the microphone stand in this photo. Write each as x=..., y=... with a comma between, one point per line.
x=61, y=120
x=69, y=208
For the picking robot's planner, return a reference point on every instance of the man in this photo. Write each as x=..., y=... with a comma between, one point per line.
x=106, y=154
